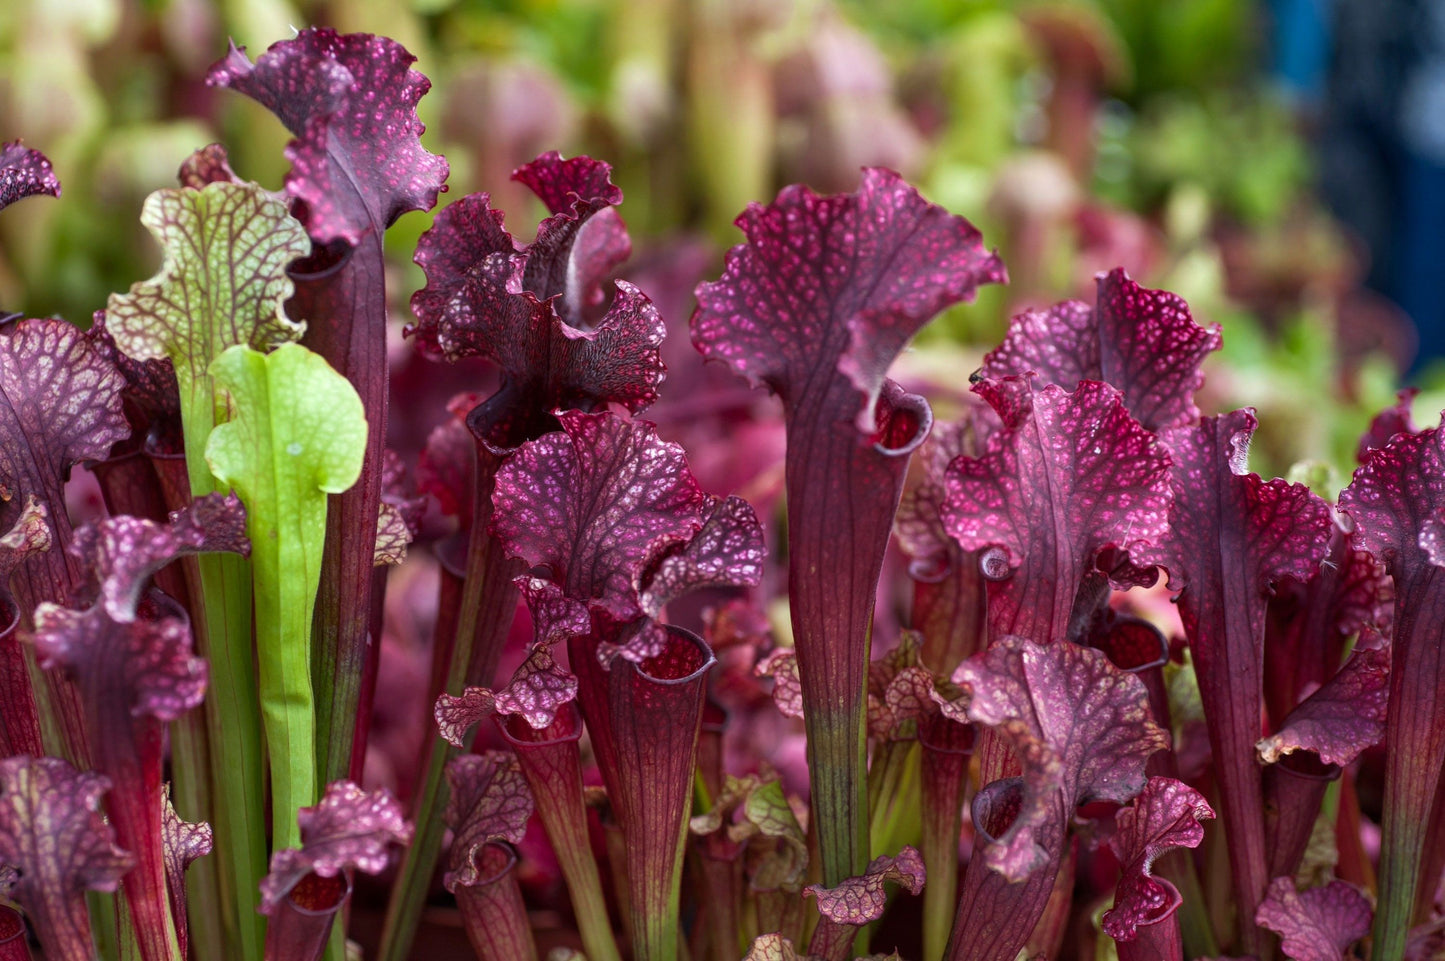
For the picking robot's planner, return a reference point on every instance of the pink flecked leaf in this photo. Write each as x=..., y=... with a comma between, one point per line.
x=357, y=163
x=727, y=551
x=1165, y=815
x=1286, y=528
x=829, y=287
x=1142, y=341
x=149, y=663
x=555, y=616
x=782, y=666
x=538, y=689
x=1395, y=495
x=456, y=715
x=124, y=552
x=475, y=304
x=24, y=173
x=1315, y=925
x=1076, y=475
x=60, y=403
x=595, y=505
x=1231, y=537
x=859, y=900
x=1081, y=728
x=1393, y=420
x=1342, y=718
x=349, y=829
x=489, y=800
x=52, y=831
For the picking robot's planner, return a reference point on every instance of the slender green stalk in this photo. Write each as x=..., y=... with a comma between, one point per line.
x=893, y=798
x=104, y=923
x=233, y=721
x=296, y=434
x=190, y=780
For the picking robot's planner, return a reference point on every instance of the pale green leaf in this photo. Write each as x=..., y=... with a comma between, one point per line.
x=296, y=433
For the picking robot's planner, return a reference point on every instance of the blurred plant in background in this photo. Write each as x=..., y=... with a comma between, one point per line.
x=1079, y=135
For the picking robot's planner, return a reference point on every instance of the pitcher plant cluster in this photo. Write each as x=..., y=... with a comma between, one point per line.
x=188, y=682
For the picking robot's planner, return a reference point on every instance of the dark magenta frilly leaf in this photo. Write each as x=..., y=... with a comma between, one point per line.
x=1073, y=474
x=134, y=665
x=24, y=173
x=726, y=551
x=456, y=715
x=350, y=101
x=148, y=665
x=1165, y=815
x=1142, y=341
x=538, y=689
x=1315, y=925
x=835, y=286
x=555, y=616
x=859, y=900
x=1342, y=718
x=489, y=800
x=60, y=403
x=124, y=552
x=1081, y=728
x=581, y=243
x=815, y=305
x=488, y=296
x=1395, y=500
x=52, y=831
x=595, y=504
x=1231, y=536
x=349, y=829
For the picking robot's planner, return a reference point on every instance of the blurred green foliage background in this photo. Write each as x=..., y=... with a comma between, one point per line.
x=1078, y=136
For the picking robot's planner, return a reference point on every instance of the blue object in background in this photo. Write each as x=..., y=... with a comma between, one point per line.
x=1300, y=45
x=1382, y=148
